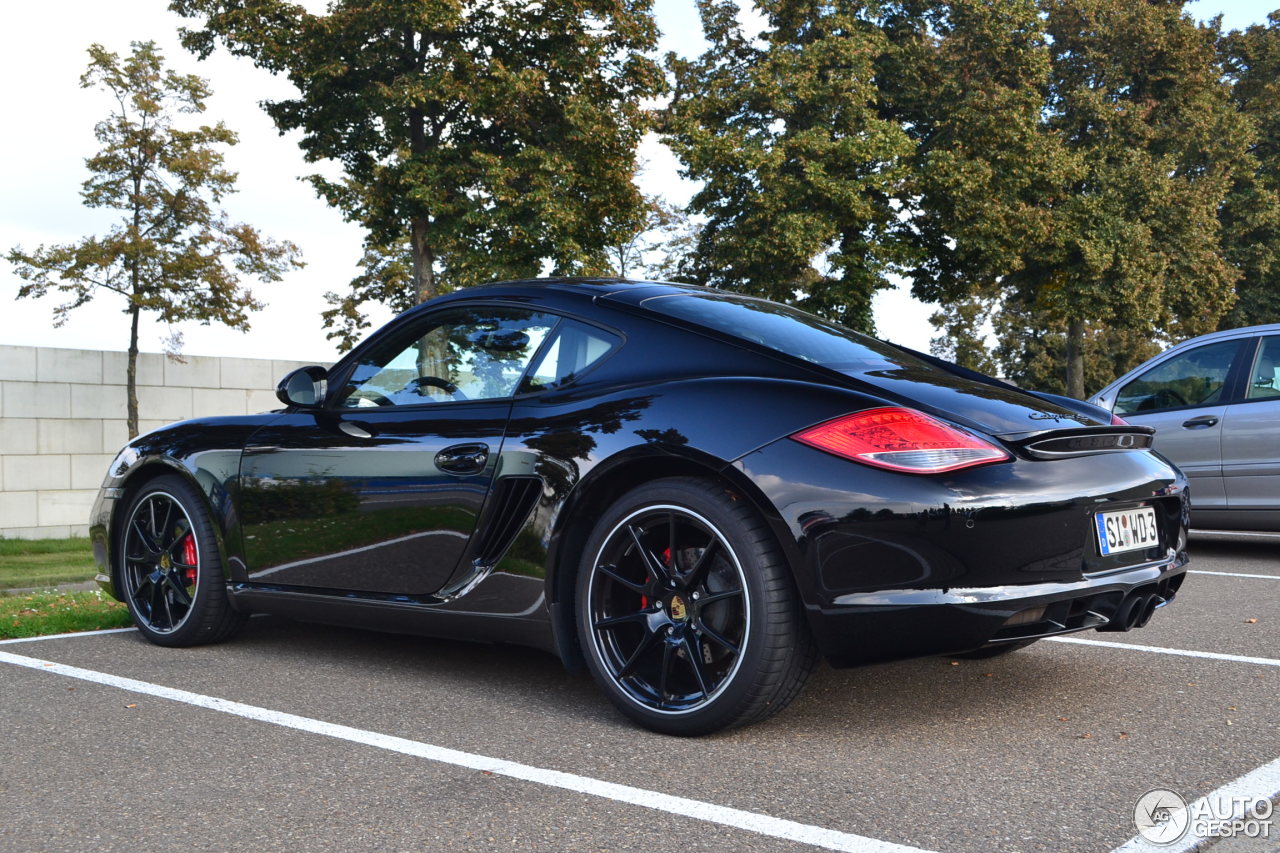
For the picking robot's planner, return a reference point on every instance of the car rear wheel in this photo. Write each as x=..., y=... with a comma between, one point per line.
x=687, y=613
x=170, y=569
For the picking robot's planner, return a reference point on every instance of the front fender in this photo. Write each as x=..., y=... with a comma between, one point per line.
x=206, y=453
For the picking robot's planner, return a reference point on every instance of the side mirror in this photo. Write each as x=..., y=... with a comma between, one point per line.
x=304, y=387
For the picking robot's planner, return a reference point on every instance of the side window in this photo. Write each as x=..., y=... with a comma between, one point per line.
x=461, y=354
x=1263, y=381
x=1194, y=378
x=575, y=347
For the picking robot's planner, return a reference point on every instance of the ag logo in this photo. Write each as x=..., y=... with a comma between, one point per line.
x=1161, y=816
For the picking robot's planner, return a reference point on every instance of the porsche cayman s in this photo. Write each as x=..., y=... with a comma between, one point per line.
x=692, y=494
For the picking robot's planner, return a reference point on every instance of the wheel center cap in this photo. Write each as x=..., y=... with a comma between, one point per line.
x=679, y=610
x=164, y=562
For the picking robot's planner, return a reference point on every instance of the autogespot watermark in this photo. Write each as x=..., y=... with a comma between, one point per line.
x=1164, y=817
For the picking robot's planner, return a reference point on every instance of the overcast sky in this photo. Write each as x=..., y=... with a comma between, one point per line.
x=50, y=133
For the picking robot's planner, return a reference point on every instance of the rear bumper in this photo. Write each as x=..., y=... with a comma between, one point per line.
x=867, y=627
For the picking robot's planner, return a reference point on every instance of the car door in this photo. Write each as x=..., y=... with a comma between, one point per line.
x=1184, y=397
x=1251, y=435
x=378, y=491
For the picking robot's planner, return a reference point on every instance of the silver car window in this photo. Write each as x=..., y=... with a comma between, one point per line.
x=1194, y=378
x=1263, y=381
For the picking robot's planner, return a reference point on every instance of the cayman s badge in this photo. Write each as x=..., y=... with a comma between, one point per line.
x=1049, y=416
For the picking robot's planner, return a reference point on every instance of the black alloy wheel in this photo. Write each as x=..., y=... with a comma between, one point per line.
x=686, y=611
x=170, y=571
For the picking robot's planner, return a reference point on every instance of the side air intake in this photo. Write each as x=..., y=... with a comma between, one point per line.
x=512, y=500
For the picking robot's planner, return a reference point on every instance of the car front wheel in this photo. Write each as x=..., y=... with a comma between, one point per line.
x=169, y=567
x=687, y=613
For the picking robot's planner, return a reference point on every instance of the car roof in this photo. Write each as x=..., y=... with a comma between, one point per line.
x=586, y=285
x=1228, y=334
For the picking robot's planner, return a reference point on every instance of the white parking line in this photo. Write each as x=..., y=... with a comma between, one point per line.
x=1160, y=650
x=1233, y=574
x=761, y=824
x=64, y=636
x=1231, y=801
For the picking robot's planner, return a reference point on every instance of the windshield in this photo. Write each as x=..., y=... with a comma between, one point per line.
x=785, y=329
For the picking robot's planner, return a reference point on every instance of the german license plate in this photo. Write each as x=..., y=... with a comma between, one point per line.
x=1126, y=530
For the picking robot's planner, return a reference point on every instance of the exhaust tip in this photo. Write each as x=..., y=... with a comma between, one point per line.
x=1148, y=610
x=1130, y=612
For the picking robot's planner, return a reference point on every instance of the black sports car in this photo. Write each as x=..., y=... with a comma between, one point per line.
x=689, y=492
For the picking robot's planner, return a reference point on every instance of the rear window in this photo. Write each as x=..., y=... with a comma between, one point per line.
x=785, y=329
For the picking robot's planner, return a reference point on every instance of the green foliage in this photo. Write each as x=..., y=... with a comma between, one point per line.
x=172, y=252
x=968, y=80
x=963, y=324
x=1034, y=355
x=1251, y=215
x=799, y=169
x=492, y=139
x=1096, y=206
x=386, y=278
x=663, y=229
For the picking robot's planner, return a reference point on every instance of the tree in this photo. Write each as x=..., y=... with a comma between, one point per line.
x=492, y=138
x=1098, y=204
x=800, y=172
x=968, y=79
x=173, y=252
x=663, y=224
x=1251, y=215
x=1138, y=99
x=386, y=278
x=1032, y=349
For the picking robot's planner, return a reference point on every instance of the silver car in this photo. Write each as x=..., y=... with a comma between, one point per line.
x=1215, y=404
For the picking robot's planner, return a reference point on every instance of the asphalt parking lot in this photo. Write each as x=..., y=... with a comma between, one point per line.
x=302, y=737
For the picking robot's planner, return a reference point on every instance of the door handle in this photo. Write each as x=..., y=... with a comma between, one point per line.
x=1202, y=422
x=463, y=458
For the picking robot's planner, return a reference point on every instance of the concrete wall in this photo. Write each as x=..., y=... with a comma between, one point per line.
x=62, y=419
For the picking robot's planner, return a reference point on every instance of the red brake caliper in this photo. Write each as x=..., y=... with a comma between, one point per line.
x=189, y=557
x=666, y=558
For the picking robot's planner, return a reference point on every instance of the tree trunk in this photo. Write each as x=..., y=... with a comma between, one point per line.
x=424, y=274
x=131, y=372
x=1075, y=359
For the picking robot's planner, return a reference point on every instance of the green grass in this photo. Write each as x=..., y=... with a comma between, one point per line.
x=45, y=562
x=34, y=563
x=39, y=613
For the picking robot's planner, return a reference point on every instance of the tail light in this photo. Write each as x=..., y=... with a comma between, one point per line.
x=901, y=440
x=1116, y=420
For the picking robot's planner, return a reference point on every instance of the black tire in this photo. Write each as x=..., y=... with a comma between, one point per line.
x=995, y=650
x=687, y=614
x=170, y=569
